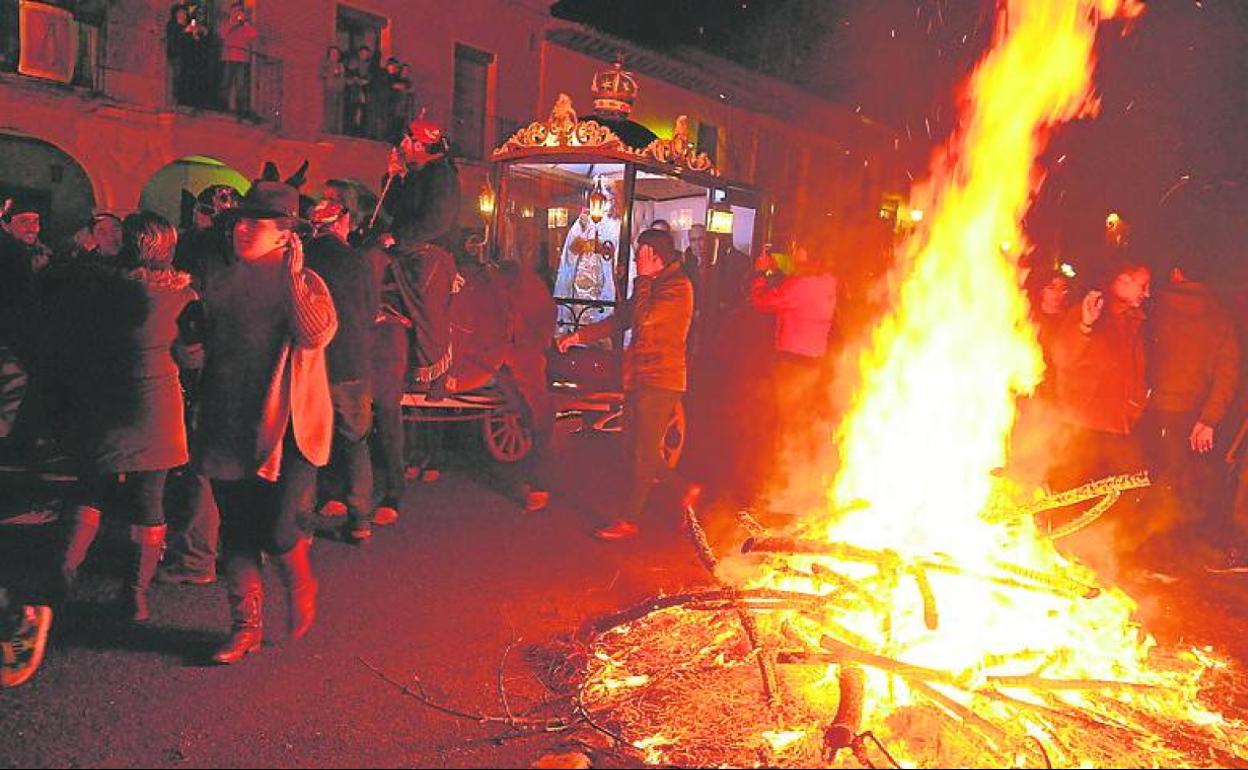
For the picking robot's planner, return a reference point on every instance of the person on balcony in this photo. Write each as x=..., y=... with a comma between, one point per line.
x=238, y=43
x=265, y=416
x=358, y=75
x=334, y=79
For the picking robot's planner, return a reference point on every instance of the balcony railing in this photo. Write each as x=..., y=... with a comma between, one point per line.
x=381, y=117
x=250, y=90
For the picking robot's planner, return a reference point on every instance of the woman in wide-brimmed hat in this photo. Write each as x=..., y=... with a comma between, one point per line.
x=265, y=417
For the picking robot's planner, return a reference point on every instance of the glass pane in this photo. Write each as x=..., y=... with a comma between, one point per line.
x=661, y=200
x=545, y=225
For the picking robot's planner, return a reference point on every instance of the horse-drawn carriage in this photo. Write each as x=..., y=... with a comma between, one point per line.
x=572, y=195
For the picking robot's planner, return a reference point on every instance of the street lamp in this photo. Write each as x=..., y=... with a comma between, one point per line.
x=485, y=206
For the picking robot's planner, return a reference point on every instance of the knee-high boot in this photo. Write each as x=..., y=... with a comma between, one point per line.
x=149, y=545
x=301, y=588
x=246, y=594
x=83, y=527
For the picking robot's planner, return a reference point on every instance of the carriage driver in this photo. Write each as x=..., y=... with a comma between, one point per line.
x=423, y=201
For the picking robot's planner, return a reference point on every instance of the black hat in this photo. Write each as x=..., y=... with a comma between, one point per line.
x=269, y=200
x=17, y=204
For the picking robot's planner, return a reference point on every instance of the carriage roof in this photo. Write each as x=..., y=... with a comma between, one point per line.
x=563, y=138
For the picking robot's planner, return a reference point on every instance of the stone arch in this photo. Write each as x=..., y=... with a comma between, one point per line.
x=162, y=192
x=56, y=180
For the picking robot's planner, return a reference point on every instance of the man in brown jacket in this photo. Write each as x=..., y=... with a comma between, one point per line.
x=1193, y=370
x=658, y=314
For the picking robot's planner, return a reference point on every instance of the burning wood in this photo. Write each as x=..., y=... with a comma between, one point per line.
x=929, y=616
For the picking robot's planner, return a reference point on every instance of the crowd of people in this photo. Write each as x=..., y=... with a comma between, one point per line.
x=220, y=386
x=364, y=95
x=226, y=365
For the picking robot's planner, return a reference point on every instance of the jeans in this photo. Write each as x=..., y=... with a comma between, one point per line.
x=646, y=414
x=353, y=419
x=390, y=352
x=195, y=538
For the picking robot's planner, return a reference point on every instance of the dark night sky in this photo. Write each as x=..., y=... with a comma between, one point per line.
x=1174, y=92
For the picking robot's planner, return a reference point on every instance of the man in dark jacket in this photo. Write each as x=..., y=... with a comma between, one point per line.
x=1193, y=370
x=423, y=200
x=658, y=314
x=22, y=255
x=349, y=278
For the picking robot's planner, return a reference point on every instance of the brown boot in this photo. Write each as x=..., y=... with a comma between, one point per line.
x=149, y=545
x=246, y=592
x=83, y=527
x=301, y=586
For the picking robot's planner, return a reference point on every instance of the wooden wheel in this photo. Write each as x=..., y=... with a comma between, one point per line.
x=507, y=438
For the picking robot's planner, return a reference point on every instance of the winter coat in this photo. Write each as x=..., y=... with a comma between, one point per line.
x=1194, y=361
x=424, y=204
x=349, y=277
x=659, y=314
x=111, y=334
x=265, y=369
x=804, y=307
x=1100, y=374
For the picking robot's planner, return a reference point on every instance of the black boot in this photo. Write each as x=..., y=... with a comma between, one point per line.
x=246, y=594
x=149, y=545
x=84, y=525
x=301, y=587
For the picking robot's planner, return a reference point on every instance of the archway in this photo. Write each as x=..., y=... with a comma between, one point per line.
x=57, y=183
x=163, y=192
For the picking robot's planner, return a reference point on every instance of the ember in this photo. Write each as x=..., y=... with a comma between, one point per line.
x=928, y=621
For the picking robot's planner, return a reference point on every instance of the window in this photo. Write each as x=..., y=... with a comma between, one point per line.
x=708, y=140
x=356, y=28
x=469, y=107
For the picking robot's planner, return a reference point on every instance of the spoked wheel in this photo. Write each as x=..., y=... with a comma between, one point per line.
x=674, y=437
x=507, y=437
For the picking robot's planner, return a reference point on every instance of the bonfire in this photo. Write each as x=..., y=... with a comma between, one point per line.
x=922, y=618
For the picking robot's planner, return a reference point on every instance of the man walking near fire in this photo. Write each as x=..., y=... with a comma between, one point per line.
x=265, y=416
x=658, y=314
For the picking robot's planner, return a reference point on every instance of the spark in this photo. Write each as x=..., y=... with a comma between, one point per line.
x=1184, y=179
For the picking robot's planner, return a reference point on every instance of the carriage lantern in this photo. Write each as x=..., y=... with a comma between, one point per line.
x=598, y=202
x=485, y=201
x=719, y=220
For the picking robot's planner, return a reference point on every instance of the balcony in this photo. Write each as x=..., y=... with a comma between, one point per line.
x=368, y=115
x=250, y=90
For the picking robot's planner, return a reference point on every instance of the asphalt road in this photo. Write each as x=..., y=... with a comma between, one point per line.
x=462, y=579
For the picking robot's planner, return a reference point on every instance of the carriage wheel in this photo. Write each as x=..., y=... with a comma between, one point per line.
x=507, y=438
x=674, y=437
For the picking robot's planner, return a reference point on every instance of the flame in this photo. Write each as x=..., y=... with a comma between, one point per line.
x=930, y=613
x=935, y=407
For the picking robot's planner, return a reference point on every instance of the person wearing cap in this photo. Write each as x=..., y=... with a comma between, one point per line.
x=265, y=416
x=349, y=278
x=423, y=201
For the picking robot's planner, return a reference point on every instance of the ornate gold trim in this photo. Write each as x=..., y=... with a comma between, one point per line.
x=562, y=131
x=679, y=151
